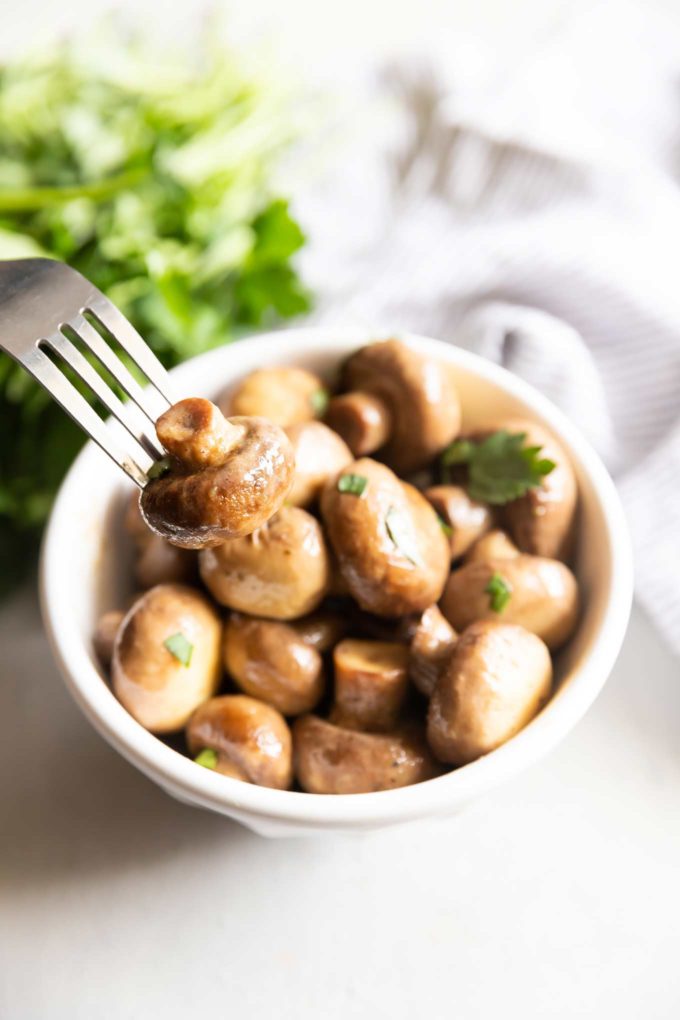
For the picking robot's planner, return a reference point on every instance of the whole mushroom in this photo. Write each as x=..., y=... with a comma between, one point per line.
x=269, y=660
x=105, y=633
x=284, y=394
x=542, y=521
x=281, y=571
x=250, y=740
x=399, y=402
x=223, y=477
x=371, y=684
x=431, y=647
x=319, y=454
x=466, y=519
x=166, y=656
x=498, y=678
x=537, y=593
x=333, y=760
x=388, y=543
x=494, y=545
x=156, y=561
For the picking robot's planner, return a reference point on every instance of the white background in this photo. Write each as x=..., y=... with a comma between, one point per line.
x=558, y=896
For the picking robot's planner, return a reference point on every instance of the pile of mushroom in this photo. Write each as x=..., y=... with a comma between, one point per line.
x=344, y=593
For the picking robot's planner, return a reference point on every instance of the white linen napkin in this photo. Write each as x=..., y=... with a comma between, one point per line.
x=538, y=223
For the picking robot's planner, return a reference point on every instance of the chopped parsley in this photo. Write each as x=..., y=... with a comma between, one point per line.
x=207, y=758
x=401, y=535
x=499, y=592
x=319, y=401
x=500, y=468
x=446, y=528
x=180, y=647
x=159, y=468
x=353, y=484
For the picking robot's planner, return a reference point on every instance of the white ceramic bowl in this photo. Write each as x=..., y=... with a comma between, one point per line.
x=85, y=570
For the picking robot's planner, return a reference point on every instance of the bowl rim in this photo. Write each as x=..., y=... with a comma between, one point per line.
x=183, y=778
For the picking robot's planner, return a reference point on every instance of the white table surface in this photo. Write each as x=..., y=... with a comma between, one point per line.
x=557, y=897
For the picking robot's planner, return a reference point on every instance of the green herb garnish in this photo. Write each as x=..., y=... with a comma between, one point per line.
x=207, y=758
x=500, y=468
x=401, y=535
x=353, y=484
x=178, y=646
x=446, y=528
x=319, y=401
x=499, y=592
x=159, y=468
x=458, y=452
x=153, y=172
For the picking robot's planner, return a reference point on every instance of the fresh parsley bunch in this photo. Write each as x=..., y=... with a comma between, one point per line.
x=155, y=180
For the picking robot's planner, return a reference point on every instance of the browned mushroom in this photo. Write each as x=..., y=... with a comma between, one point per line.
x=319, y=454
x=536, y=593
x=542, y=521
x=494, y=545
x=166, y=656
x=284, y=394
x=431, y=647
x=400, y=402
x=389, y=545
x=330, y=759
x=156, y=561
x=224, y=478
x=371, y=684
x=271, y=661
x=251, y=740
x=465, y=518
x=497, y=679
x=322, y=629
x=281, y=571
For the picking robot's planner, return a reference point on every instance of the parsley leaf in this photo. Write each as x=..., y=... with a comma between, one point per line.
x=500, y=468
x=353, y=484
x=499, y=592
x=180, y=647
x=159, y=468
x=401, y=535
x=446, y=528
x=319, y=401
x=207, y=758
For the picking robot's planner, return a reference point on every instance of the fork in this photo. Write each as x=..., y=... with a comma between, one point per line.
x=46, y=308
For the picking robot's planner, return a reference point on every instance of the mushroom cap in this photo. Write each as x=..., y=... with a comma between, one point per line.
x=542, y=521
x=420, y=395
x=281, y=571
x=330, y=759
x=271, y=661
x=543, y=596
x=319, y=454
x=467, y=518
x=254, y=737
x=389, y=545
x=155, y=686
x=195, y=509
x=498, y=677
x=284, y=394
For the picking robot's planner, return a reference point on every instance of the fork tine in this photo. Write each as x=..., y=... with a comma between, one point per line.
x=129, y=339
x=127, y=414
x=148, y=401
x=55, y=382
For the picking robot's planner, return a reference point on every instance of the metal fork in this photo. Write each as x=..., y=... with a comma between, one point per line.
x=44, y=307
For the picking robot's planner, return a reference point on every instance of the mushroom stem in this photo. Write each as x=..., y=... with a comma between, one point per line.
x=363, y=420
x=195, y=432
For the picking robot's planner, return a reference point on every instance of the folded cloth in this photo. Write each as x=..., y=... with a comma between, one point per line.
x=540, y=227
